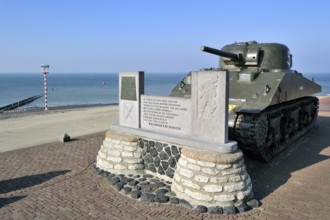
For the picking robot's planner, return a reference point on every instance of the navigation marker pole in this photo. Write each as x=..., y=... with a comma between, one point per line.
x=44, y=68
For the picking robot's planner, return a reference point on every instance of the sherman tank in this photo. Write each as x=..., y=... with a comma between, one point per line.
x=270, y=105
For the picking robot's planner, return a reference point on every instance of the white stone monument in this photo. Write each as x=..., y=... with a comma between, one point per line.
x=181, y=140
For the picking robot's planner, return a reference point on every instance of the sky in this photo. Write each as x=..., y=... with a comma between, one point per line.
x=78, y=36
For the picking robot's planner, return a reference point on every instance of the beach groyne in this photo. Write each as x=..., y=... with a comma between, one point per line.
x=19, y=103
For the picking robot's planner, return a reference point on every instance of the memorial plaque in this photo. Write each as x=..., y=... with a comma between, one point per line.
x=131, y=86
x=128, y=88
x=169, y=114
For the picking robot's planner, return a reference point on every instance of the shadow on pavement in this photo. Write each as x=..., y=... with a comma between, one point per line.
x=267, y=177
x=6, y=201
x=28, y=181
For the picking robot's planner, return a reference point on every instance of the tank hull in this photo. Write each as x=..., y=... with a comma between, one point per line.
x=268, y=113
x=270, y=105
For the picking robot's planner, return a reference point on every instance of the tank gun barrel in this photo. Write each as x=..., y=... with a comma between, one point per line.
x=221, y=53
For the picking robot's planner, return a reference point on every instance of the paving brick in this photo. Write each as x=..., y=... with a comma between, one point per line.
x=60, y=184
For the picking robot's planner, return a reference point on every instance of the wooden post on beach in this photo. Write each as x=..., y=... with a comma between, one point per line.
x=44, y=68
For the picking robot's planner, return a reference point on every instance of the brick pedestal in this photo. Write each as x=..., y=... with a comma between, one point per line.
x=120, y=153
x=212, y=179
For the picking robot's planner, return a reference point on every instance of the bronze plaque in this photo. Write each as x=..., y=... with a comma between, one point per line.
x=128, y=88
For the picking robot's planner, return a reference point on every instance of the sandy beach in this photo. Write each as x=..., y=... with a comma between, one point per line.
x=25, y=129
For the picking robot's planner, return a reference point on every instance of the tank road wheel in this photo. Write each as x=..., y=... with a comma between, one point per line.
x=264, y=138
x=307, y=114
x=315, y=109
x=286, y=127
x=295, y=119
x=275, y=124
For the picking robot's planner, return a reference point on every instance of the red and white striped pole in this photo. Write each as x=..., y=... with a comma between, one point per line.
x=44, y=68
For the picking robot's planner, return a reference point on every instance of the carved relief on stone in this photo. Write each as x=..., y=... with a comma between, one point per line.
x=128, y=116
x=208, y=97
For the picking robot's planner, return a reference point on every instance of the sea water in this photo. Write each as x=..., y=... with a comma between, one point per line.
x=94, y=88
x=77, y=89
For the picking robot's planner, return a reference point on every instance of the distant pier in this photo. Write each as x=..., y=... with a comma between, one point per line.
x=19, y=103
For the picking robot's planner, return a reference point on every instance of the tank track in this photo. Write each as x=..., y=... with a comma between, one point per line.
x=265, y=134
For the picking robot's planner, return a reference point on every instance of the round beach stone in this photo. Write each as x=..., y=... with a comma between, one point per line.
x=185, y=203
x=175, y=150
x=163, y=156
x=201, y=209
x=149, y=187
x=229, y=210
x=153, y=152
x=144, y=183
x=161, y=184
x=169, y=172
x=157, y=161
x=161, y=199
x=125, y=179
x=164, y=165
x=110, y=176
x=215, y=210
x=140, y=143
x=161, y=170
x=119, y=186
x=133, y=183
x=152, y=168
x=114, y=180
x=151, y=143
x=253, y=203
x=161, y=192
x=105, y=174
x=174, y=200
x=135, y=194
x=172, y=162
x=168, y=151
x=148, y=159
x=127, y=190
x=136, y=188
x=147, y=197
x=159, y=146
x=243, y=207
x=98, y=171
x=154, y=180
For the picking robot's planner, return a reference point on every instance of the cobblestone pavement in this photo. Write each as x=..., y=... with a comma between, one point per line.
x=55, y=181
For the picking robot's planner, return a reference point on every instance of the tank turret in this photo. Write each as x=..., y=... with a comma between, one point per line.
x=270, y=105
x=267, y=56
